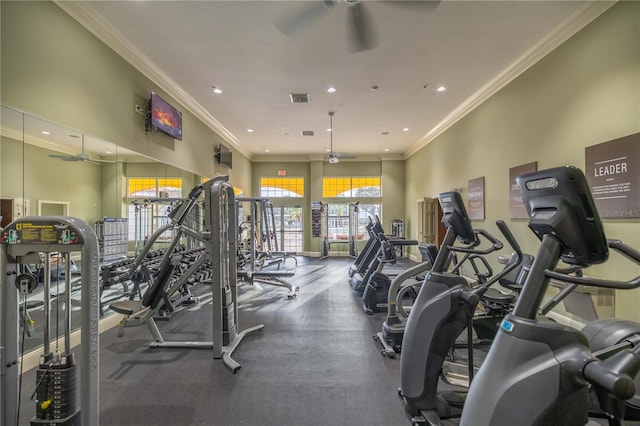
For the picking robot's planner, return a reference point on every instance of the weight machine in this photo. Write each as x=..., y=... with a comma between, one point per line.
x=220, y=239
x=183, y=222
x=253, y=257
x=24, y=241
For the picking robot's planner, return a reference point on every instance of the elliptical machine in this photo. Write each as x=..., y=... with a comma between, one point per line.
x=443, y=309
x=538, y=371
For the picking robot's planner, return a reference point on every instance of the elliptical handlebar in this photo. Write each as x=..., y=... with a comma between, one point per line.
x=495, y=244
x=617, y=245
x=506, y=232
x=625, y=250
x=614, y=374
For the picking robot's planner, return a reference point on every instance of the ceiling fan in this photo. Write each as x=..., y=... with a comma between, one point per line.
x=333, y=156
x=362, y=32
x=82, y=156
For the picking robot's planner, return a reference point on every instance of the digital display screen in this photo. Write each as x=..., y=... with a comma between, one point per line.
x=165, y=118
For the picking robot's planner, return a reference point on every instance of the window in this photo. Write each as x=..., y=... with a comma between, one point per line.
x=289, y=228
x=146, y=214
x=338, y=221
x=364, y=211
x=282, y=187
x=154, y=187
x=352, y=187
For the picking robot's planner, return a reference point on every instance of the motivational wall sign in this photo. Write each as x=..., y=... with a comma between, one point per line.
x=516, y=204
x=476, y=198
x=613, y=172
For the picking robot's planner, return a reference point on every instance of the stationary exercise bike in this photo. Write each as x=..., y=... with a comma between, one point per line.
x=444, y=307
x=541, y=372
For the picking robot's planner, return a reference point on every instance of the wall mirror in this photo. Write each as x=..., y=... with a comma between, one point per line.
x=47, y=169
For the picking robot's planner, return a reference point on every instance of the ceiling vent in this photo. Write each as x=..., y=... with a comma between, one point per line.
x=307, y=133
x=299, y=98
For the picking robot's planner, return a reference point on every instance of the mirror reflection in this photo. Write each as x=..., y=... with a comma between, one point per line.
x=51, y=170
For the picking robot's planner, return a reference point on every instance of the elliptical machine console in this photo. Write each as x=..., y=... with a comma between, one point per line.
x=538, y=371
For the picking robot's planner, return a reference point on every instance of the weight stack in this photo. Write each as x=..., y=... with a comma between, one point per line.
x=229, y=327
x=57, y=384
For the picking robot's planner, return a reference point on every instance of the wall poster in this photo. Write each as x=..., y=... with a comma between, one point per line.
x=517, y=209
x=476, y=198
x=316, y=219
x=613, y=172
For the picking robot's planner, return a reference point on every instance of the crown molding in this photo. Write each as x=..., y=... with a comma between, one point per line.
x=97, y=25
x=585, y=14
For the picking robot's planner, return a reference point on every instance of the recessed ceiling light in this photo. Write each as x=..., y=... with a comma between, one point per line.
x=441, y=89
x=108, y=151
x=406, y=129
x=216, y=90
x=266, y=150
x=331, y=89
x=329, y=129
x=386, y=150
x=374, y=88
x=327, y=150
x=250, y=130
x=44, y=132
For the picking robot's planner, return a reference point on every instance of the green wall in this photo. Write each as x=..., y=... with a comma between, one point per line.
x=585, y=92
x=52, y=67
x=42, y=178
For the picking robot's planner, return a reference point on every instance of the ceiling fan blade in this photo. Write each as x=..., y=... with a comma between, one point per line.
x=345, y=156
x=304, y=17
x=363, y=35
x=65, y=157
x=413, y=4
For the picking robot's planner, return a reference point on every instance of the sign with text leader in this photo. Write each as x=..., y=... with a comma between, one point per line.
x=613, y=172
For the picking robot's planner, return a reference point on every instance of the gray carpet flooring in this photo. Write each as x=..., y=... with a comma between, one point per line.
x=315, y=363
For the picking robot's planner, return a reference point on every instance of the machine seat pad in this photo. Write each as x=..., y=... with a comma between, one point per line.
x=126, y=307
x=496, y=296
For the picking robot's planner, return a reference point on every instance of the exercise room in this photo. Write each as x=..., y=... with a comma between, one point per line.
x=319, y=213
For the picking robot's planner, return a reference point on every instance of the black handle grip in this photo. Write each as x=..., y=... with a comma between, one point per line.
x=195, y=192
x=504, y=229
x=614, y=374
x=469, y=297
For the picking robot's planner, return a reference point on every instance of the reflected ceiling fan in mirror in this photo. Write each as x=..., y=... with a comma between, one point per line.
x=362, y=34
x=82, y=156
x=333, y=156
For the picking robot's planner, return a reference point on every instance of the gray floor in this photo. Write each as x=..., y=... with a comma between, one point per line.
x=315, y=363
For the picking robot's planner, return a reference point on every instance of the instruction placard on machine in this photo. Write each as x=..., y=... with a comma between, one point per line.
x=38, y=233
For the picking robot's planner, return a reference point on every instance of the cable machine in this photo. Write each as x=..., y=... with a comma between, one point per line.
x=220, y=239
x=354, y=211
x=256, y=256
x=24, y=241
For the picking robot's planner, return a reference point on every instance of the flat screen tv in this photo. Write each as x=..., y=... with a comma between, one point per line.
x=224, y=156
x=164, y=117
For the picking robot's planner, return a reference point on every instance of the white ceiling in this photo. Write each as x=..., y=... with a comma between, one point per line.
x=471, y=47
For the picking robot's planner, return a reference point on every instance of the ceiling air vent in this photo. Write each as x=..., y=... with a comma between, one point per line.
x=307, y=133
x=299, y=98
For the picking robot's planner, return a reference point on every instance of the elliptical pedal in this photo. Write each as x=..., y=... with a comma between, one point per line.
x=387, y=350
